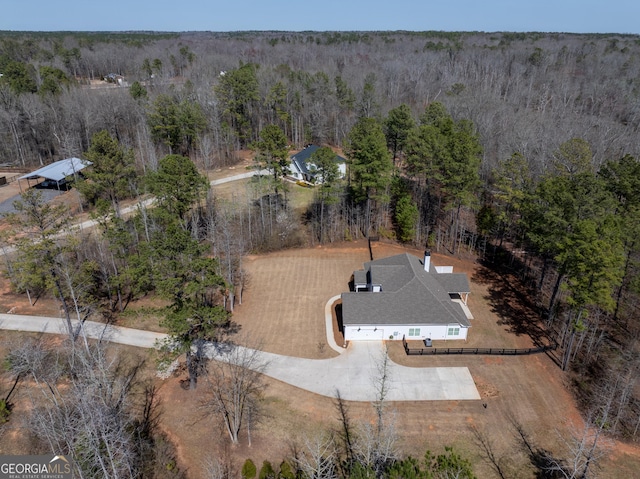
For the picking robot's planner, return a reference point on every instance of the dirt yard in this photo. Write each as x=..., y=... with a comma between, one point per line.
x=283, y=311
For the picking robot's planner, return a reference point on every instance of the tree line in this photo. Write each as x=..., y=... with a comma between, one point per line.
x=523, y=92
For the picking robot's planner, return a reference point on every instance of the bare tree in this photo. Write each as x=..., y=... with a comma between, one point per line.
x=375, y=444
x=382, y=383
x=216, y=469
x=318, y=456
x=82, y=404
x=375, y=449
x=585, y=447
x=234, y=387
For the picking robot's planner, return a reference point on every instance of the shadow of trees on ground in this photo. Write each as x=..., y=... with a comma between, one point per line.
x=512, y=302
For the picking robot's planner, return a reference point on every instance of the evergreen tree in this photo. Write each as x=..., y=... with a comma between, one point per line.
x=249, y=469
x=512, y=184
x=177, y=185
x=448, y=155
x=238, y=92
x=176, y=124
x=327, y=172
x=622, y=179
x=369, y=161
x=112, y=175
x=20, y=77
x=272, y=153
x=398, y=124
x=369, y=164
x=566, y=218
x=182, y=270
x=406, y=215
x=41, y=254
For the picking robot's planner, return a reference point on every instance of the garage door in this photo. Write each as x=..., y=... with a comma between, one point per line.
x=364, y=334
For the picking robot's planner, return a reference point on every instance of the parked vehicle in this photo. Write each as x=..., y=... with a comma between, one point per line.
x=54, y=185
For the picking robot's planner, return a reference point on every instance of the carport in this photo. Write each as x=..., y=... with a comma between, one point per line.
x=56, y=171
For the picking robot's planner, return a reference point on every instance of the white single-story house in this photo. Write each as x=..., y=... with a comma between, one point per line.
x=403, y=296
x=302, y=168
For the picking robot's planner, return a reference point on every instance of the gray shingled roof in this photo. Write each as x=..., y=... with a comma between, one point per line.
x=360, y=277
x=409, y=295
x=301, y=158
x=454, y=282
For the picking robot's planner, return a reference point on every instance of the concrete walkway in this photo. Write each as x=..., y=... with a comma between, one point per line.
x=240, y=176
x=115, y=334
x=354, y=373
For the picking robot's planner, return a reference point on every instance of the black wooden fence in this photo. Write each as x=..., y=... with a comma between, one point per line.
x=485, y=351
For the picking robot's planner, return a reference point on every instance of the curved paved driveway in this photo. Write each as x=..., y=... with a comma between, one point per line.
x=354, y=373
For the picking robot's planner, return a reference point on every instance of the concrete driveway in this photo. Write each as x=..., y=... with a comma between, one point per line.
x=354, y=373
x=357, y=372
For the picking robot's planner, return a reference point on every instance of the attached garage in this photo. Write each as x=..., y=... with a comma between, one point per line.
x=363, y=334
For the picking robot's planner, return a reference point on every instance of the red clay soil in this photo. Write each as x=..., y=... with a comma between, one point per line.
x=283, y=311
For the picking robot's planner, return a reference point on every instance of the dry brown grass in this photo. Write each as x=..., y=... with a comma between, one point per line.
x=283, y=309
x=283, y=306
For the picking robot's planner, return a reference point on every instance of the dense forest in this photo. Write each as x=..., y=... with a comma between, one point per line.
x=519, y=148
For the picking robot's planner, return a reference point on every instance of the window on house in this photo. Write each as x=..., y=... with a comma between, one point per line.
x=453, y=332
x=414, y=331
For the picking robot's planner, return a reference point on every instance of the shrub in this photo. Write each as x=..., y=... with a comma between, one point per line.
x=5, y=411
x=249, y=469
x=266, y=471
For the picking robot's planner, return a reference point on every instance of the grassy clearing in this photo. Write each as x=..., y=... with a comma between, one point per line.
x=243, y=191
x=300, y=197
x=144, y=314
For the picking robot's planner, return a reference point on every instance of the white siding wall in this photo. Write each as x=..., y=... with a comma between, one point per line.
x=294, y=171
x=364, y=333
x=444, y=269
x=419, y=332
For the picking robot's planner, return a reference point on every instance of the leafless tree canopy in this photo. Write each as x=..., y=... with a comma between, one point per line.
x=234, y=388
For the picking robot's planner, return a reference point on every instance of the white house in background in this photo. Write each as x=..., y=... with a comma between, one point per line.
x=404, y=296
x=302, y=168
